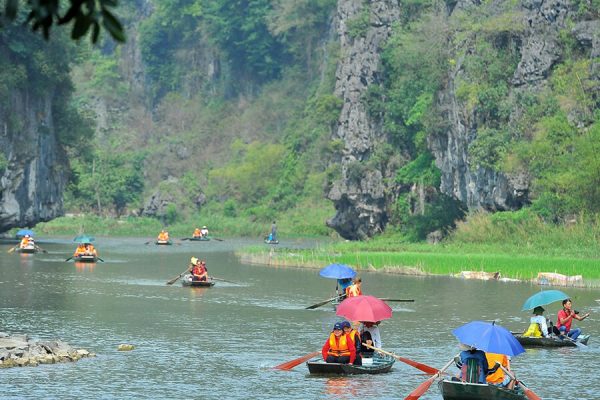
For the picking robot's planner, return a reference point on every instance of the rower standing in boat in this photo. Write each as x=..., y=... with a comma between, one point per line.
x=339, y=347
x=355, y=336
x=565, y=319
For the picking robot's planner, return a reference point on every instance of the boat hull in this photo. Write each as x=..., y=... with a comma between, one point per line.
x=553, y=341
x=196, y=239
x=26, y=250
x=186, y=280
x=380, y=365
x=163, y=243
x=455, y=390
x=272, y=241
x=88, y=259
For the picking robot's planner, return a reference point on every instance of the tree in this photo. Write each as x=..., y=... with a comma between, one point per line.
x=44, y=14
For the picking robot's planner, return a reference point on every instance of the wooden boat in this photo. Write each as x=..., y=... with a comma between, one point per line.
x=267, y=241
x=163, y=243
x=457, y=390
x=199, y=239
x=552, y=341
x=379, y=364
x=89, y=258
x=186, y=280
x=26, y=250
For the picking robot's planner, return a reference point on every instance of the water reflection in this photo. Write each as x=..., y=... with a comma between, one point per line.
x=342, y=387
x=84, y=266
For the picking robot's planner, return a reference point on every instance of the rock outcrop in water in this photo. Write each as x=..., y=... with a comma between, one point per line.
x=20, y=351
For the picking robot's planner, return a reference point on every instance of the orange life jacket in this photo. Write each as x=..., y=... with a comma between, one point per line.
x=24, y=242
x=353, y=290
x=197, y=233
x=340, y=347
x=355, y=336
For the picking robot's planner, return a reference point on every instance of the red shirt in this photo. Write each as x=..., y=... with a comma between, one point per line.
x=350, y=345
x=562, y=314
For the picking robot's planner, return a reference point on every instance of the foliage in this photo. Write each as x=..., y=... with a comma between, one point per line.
x=45, y=14
x=359, y=24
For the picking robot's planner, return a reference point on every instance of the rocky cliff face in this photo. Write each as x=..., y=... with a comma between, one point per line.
x=33, y=180
x=359, y=196
x=361, y=201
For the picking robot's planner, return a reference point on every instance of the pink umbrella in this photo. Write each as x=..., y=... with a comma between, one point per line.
x=364, y=308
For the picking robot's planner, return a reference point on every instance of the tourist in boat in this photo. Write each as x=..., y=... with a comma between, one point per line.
x=80, y=250
x=369, y=333
x=355, y=336
x=538, y=326
x=199, y=270
x=197, y=233
x=565, y=319
x=163, y=236
x=354, y=289
x=498, y=377
x=338, y=348
x=204, y=231
x=473, y=364
x=26, y=241
x=90, y=250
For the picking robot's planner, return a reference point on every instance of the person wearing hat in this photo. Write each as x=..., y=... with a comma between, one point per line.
x=538, y=326
x=26, y=241
x=355, y=336
x=204, y=231
x=339, y=347
x=473, y=364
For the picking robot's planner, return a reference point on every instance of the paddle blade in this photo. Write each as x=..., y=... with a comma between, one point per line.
x=322, y=303
x=425, y=368
x=421, y=389
x=291, y=364
x=11, y=249
x=529, y=393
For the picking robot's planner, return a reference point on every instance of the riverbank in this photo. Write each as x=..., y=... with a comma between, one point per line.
x=472, y=262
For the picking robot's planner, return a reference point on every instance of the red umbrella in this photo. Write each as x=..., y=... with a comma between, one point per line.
x=364, y=308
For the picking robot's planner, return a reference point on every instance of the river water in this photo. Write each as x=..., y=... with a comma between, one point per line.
x=220, y=343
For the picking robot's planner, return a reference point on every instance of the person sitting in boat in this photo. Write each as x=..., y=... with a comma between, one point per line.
x=197, y=233
x=354, y=289
x=339, y=347
x=204, y=231
x=355, y=336
x=473, y=365
x=26, y=241
x=369, y=333
x=80, y=250
x=538, y=325
x=199, y=271
x=565, y=319
x=163, y=236
x=498, y=377
x=90, y=250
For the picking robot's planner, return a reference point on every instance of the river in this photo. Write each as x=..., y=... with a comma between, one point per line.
x=221, y=342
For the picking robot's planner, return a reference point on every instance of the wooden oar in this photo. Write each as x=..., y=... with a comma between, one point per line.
x=12, y=249
x=528, y=392
x=40, y=249
x=224, y=280
x=322, y=303
x=70, y=258
x=219, y=240
x=99, y=259
x=286, y=366
x=399, y=300
x=172, y=281
x=425, y=368
x=423, y=387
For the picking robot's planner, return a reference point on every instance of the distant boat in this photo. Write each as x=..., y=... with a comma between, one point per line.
x=553, y=341
x=29, y=249
x=199, y=239
x=88, y=258
x=187, y=280
x=163, y=242
x=267, y=241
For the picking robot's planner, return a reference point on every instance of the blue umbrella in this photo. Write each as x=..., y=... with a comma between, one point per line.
x=337, y=271
x=23, y=232
x=84, y=239
x=489, y=337
x=542, y=298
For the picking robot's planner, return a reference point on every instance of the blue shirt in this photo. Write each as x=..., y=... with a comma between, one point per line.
x=479, y=356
